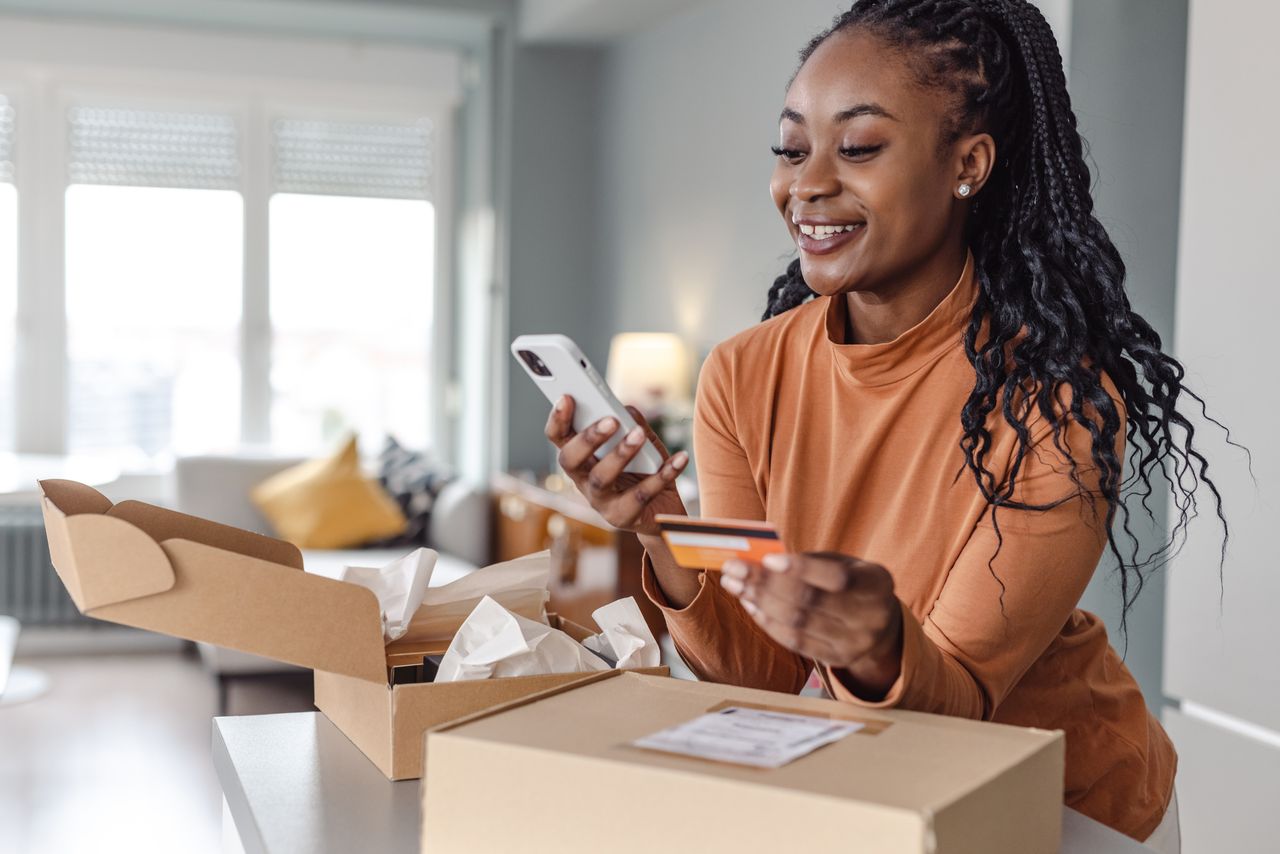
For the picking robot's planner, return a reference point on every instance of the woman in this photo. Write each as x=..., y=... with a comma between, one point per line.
x=939, y=436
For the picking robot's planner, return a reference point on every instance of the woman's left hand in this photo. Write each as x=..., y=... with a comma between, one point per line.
x=834, y=609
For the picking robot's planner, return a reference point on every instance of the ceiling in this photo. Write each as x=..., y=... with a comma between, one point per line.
x=591, y=21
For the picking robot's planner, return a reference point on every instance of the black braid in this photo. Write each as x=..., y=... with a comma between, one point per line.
x=1050, y=281
x=788, y=291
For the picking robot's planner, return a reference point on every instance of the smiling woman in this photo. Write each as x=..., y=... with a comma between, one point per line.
x=934, y=413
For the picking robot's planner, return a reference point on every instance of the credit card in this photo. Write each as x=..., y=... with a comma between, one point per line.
x=708, y=543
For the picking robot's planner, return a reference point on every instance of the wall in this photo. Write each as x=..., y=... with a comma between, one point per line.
x=1126, y=69
x=554, y=171
x=1222, y=631
x=690, y=241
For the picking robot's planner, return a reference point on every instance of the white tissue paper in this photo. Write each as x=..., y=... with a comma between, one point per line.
x=518, y=585
x=493, y=642
x=625, y=638
x=414, y=612
x=400, y=587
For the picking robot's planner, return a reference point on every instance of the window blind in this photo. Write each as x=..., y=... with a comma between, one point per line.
x=378, y=160
x=147, y=148
x=6, y=140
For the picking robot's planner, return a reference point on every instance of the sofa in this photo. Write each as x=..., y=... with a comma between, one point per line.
x=217, y=487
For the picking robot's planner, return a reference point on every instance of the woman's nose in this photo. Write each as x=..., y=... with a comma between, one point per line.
x=815, y=179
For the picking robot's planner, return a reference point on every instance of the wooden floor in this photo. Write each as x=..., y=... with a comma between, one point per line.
x=115, y=758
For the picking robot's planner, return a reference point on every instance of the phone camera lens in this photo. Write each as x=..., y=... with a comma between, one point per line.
x=535, y=363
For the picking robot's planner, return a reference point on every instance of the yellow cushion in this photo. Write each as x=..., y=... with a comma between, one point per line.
x=328, y=503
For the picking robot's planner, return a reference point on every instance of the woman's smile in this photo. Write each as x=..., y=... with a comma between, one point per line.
x=822, y=237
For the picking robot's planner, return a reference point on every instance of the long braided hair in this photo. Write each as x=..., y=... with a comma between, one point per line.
x=1050, y=281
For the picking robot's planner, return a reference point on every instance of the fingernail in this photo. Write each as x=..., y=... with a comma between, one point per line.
x=607, y=426
x=777, y=562
x=636, y=436
x=749, y=607
x=680, y=459
x=560, y=404
x=734, y=568
x=733, y=585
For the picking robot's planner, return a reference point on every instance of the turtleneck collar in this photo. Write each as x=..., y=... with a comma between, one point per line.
x=881, y=364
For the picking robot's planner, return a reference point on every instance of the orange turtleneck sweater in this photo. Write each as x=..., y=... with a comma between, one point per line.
x=855, y=448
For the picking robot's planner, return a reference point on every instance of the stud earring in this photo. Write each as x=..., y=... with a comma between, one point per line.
x=964, y=190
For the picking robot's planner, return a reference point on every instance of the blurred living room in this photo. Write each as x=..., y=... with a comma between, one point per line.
x=261, y=266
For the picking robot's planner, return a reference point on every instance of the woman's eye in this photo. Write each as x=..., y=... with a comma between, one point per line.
x=856, y=151
x=859, y=150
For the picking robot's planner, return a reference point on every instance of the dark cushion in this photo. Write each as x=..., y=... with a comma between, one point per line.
x=414, y=481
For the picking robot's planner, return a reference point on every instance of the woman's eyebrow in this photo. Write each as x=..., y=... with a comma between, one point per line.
x=844, y=115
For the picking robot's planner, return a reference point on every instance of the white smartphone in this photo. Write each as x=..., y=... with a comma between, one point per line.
x=558, y=367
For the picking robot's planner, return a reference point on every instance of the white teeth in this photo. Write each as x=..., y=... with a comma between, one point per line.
x=824, y=231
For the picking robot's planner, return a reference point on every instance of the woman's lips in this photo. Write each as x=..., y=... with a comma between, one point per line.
x=827, y=245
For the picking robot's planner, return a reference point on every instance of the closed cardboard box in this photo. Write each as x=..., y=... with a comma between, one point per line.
x=153, y=568
x=557, y=772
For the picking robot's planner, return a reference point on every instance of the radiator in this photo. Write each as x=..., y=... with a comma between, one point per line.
x=29, y=588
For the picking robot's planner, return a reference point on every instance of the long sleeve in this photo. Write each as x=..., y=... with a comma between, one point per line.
x=995, y=617
x=855, y=448
x=714, y=634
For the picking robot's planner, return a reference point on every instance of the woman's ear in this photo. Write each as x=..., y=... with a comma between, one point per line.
x=975, y=158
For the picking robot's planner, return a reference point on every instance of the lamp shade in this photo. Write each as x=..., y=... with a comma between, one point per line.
x=649, y=370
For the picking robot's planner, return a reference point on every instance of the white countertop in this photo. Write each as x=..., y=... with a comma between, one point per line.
x=294, y=783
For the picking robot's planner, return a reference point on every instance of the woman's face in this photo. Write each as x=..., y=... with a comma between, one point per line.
x=861, y=154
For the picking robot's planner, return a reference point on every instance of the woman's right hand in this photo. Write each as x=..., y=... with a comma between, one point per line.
x=627, y=501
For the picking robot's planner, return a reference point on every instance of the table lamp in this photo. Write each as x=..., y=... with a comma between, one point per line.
x=649, y=370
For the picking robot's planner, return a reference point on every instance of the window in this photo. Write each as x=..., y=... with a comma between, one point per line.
x=351, y=305
x=155, y=281
x=219, y=255
x=352, y=270
x=154, y=272
x=153, y=313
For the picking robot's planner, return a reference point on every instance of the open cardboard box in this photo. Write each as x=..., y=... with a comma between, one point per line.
x=563, y=762
x=145, y=566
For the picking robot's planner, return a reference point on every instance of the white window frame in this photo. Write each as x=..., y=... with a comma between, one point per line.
x=43, y=89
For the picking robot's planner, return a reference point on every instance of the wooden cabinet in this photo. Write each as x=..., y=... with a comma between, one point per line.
x=593, y=563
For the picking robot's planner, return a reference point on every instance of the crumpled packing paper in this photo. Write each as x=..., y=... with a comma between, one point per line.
x=518, y=585
x=400, y=587
x=415, y=612
x=493, y=642
x=625, y=638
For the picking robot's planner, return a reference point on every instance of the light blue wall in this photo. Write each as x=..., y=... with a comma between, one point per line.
x=1127, y=72
x=555, y=171
x=690, y=240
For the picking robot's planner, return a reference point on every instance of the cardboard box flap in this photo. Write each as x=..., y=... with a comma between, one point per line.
x=161, y=523
x=74, y=498
x=115, y=570
x=256, y=606
x=165, y=524
x=85, y=551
